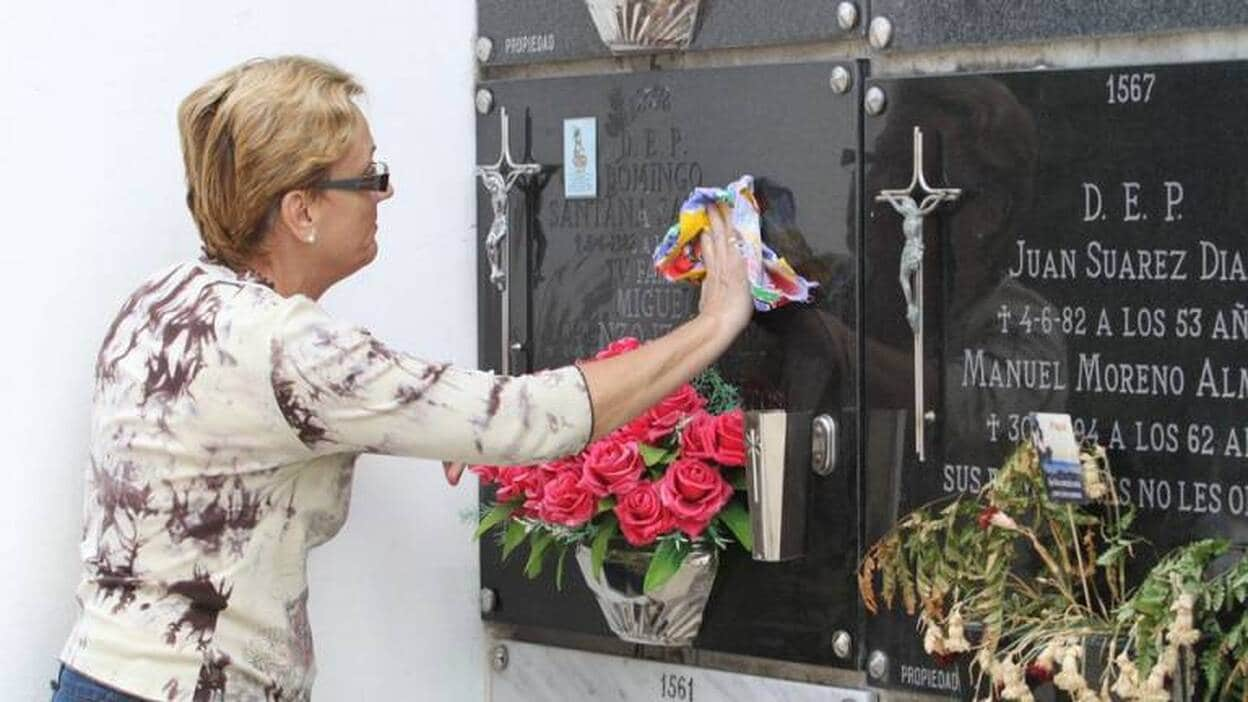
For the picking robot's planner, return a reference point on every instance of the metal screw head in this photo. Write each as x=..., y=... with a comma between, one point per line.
x=841, y=80
x=847, y=15
x=485, y=101
x=485, y=49
x=875, y=101
x=877, y=665
x=842, y=644
x=489, y=600
x=929, y=417
x=499, y=658
x=880, y=33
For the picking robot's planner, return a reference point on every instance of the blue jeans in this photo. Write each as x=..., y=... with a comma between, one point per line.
x=71, y=686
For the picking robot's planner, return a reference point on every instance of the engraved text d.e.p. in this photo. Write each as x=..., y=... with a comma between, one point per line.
x=1134, y=200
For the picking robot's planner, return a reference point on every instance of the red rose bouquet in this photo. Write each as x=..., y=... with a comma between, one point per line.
x=661, y=484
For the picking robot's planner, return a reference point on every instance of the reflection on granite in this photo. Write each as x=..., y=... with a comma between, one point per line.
x=552, y=674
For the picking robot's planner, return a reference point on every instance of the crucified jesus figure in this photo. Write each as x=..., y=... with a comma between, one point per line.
x=499, y=186
x=498, y=179
x=912, y=252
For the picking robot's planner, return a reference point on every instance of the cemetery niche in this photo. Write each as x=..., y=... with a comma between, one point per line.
x=533, y=31
x=944, y=23
x=582, y=276
x=1093, y=265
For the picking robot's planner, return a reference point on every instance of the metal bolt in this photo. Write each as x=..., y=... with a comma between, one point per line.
x=841, y=80
x=875, y=101
x=880, y=33
x=485, y=101
x=485, y=49
x=877, y=665
x=499, y=658
x=517, y=346
x=489, y=600
x=847, y=15
x=842, y=644
x=929, y=417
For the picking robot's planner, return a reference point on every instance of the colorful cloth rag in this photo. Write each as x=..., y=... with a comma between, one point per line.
x=773, y=282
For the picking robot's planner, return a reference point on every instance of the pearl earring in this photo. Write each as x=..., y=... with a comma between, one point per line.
x=311, y=238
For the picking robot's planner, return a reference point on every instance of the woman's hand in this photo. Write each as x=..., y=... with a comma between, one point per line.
x=624, y=386
x=726, y=287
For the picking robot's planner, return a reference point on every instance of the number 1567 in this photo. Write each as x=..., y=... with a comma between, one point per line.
x=1127, y=88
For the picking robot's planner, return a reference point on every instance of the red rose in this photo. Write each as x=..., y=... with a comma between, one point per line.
x=612, y=466
x=488, y=475
x=660, y=420
x=693, y=492
x=642, y=515
x=698, y=437
x=565, y=502
x=985, y=517
x=527, y=482
x=619, y=346
x=568, y=464
x=730, y=438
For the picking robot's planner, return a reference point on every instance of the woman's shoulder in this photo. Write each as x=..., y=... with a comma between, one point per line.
x=203, y=292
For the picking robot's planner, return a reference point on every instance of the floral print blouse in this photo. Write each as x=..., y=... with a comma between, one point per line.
x=225, y=427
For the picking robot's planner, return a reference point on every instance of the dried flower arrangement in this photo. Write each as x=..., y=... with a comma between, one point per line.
x=1045, y=585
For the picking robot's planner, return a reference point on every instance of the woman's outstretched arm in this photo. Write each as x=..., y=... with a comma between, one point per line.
x=621, y=387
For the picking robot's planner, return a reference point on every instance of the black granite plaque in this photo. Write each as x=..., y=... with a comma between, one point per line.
x=1096, y=264
x=584, y=267
x=922, y=23
x=532, y=31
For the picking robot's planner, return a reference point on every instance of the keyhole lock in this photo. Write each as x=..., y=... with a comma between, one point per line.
x=823, y=438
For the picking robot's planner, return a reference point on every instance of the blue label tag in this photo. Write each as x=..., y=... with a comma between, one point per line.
x=580, y=158
x=1054, y=436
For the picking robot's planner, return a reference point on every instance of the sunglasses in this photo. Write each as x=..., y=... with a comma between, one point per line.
x=377, y=178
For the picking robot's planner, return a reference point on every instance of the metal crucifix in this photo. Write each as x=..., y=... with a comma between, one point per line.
x=499, y=178
x=911, y=273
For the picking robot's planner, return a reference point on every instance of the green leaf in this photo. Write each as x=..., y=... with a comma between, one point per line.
x=606, y=504
x=495, y=516
x=1111, y=556
x=1214, y=666
x=563, y=551
x=737, y=520
x=654, y=455
x=537, y=551
x=513, y=537
x=1215, y=596
x=667, y=559
x=598, y=552
x=737, y=480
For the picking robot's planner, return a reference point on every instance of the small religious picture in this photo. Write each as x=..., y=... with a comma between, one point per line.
x=580, y=158
x=1055, y=441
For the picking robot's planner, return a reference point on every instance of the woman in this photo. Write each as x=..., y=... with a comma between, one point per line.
x=229, y=408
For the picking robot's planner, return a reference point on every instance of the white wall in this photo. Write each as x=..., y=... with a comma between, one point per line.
x=92, y=198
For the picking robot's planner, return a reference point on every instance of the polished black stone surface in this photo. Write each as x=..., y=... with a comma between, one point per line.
x=533, y=31
x=584, y=277
x=930, y=23
x=1096, y=264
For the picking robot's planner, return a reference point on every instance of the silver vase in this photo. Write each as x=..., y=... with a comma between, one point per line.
x=670, y=616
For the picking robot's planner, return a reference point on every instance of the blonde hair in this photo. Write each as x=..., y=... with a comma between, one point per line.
x=254, y=133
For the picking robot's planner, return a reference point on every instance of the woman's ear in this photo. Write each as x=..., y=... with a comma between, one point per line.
x=297, y=216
